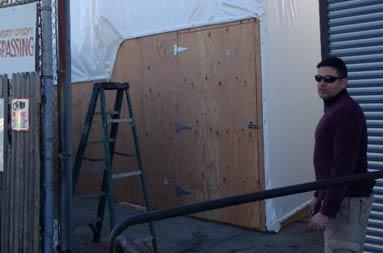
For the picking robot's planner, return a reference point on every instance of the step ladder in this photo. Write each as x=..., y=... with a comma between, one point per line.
x=110, y=121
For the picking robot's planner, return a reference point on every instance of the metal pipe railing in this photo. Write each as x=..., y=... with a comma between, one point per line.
x=116, y=246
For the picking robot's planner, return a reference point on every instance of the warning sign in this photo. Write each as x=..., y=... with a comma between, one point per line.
x=18, y=38
x=20, y=114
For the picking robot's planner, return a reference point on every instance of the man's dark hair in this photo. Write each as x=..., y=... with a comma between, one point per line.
x=335, y=63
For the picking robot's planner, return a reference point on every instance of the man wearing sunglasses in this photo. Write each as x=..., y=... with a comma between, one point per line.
x=340, y=150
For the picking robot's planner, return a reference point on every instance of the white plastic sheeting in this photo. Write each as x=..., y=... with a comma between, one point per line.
x=290, y=50
x=105, y=23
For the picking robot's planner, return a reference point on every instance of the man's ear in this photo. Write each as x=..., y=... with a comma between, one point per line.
x=343, y=83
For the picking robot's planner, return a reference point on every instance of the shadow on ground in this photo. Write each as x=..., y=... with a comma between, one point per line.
x=188, y=235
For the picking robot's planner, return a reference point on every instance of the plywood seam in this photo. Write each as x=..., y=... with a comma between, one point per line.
x=258, y=71
x=217, y=26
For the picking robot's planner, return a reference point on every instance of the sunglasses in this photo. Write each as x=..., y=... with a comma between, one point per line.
x=327, y=78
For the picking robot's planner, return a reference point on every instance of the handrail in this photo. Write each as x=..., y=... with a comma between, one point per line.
x=116, y=245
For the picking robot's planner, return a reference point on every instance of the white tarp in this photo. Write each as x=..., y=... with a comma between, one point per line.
x=290, y=50
x=105, y=23
x=291, y=107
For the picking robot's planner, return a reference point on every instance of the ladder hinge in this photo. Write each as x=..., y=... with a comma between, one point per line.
x=132, y=122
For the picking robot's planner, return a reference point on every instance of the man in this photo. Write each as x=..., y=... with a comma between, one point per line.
x=340, y=150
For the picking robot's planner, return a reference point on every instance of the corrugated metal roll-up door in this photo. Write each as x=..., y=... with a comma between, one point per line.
x=353, y=30
x=355, y=33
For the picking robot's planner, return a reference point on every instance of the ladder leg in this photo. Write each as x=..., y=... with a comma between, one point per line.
x=97, y=229
x=107, y=178
x=114, y=126
x=112, y=135
x=140, y=167
x=108, y=161
x=109, y=137
x=84, y=136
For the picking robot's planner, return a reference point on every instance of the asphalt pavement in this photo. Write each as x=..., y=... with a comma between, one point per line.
x=189, y=235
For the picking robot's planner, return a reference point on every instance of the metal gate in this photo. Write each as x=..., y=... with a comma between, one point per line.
x=353, y=30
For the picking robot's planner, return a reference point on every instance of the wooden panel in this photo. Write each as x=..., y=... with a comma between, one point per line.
x=260, y=146
x=193, y=110
x=219, y=154
x=150, y=68
x=212, y=90
x=20, y=219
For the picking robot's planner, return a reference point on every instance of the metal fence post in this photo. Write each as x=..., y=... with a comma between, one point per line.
x=65, y=118
x=47, y=79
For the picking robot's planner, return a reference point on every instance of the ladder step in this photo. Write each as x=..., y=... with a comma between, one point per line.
x=110, y=121
x=93, y=159
x=90, y=196
x=99, y=141
x=127, y=174
x=125, y=154
x=111, y=86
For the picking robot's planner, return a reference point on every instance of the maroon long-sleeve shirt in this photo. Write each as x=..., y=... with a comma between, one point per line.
x=340, y=150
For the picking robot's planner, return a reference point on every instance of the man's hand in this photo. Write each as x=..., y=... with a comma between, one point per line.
x=312, y=205
x=319, y=222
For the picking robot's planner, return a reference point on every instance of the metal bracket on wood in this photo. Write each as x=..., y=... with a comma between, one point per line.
x=178, y=49
x=253, y=125
x=179, y=127
x=132, y=122
x=180, y=192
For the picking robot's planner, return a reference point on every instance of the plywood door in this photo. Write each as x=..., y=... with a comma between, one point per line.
x=150, y=68
x=219, y=153
x=193, y=112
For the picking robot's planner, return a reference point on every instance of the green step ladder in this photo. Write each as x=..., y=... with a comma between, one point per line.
x=110, y=121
